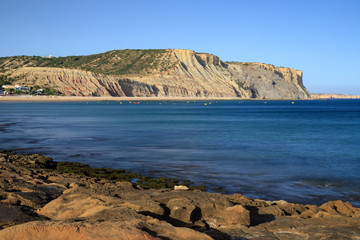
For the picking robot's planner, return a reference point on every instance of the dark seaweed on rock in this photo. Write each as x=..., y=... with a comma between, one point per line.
x=158, y=183
x=117, y=175
x=123, y=176
x=102, y=173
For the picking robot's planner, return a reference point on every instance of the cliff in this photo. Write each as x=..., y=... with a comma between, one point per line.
x=73, y=82
x=156, y=73
x=41, y=201
x=268, y=81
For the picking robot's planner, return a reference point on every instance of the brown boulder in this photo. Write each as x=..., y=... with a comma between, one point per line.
x=340, y=207
x=282, y=209
x=76, y=203
x=246, y=201
x=310, y=211
x=113, y=224
x=67, y=230
x=237, y=215
x=144, y=206
x=85, y=202
x=194, y=206
x=165, y=230
x=182, y=209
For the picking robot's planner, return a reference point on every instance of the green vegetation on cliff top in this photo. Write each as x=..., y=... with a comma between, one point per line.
x=116, y=62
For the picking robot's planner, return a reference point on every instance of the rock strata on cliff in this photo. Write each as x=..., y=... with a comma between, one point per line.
x=270, y=82
x=37, y=202
x=156, y=73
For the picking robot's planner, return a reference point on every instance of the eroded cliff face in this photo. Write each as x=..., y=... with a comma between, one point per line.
x=82, y=83
x=266, y=81
x=193, y=75
x=190, y=75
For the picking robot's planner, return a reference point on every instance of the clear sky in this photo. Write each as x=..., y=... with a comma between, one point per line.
x=319, y=37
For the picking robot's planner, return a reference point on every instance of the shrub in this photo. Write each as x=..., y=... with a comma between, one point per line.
x=51, y=91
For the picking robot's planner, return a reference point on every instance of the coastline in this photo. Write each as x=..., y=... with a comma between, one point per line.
x=30, y=98
x=325, y=96
x=27, y=98
x=46, y=201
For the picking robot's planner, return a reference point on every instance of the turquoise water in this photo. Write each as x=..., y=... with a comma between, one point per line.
x=304, y=152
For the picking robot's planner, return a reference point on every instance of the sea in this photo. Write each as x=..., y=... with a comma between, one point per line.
x=298, y=151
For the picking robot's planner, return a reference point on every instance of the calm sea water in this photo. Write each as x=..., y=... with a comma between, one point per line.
x=307, y=152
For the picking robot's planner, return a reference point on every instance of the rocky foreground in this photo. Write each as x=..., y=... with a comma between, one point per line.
x=37, y=201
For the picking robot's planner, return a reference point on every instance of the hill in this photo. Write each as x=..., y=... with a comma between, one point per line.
x=154, y=73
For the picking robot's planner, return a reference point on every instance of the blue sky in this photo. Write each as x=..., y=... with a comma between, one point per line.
x=319, y=37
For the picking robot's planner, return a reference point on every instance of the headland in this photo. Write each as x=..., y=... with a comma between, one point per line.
x=160, y=73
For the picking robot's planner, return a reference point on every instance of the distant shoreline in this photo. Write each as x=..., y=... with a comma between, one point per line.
x=26, y=98
x=333, y=96
x=30, y=98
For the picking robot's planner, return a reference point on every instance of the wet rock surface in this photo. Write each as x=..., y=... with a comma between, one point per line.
x=37, y=202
